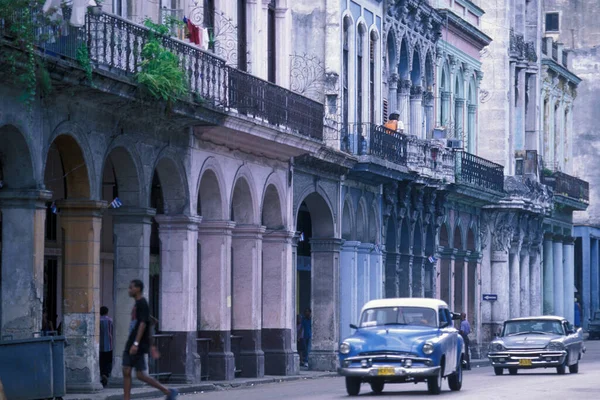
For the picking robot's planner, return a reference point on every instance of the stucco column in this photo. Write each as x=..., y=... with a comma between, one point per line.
x=282, y=47
x=548, y=275
x=404, y=275
x=179, y=290
x=500, y=285
x=377, y=275
x=485, y=272
x=447, y=275
x=348, y=285
x=515, y=279
x=22, y=228
x=393, y=94
x=459, y=106
x=416, y=111
x=325, y=258
x=81, y=221
x=445, y=117
x=214, y=238
x=131, y=235
x=471, y=129
x=365, y=274
x=460, y=272
x=255, y=38
x=559, y=284
x=535, y=294
x=404, y=103
x=428, y=110
x=525, y=281
x=569, y=278
x=417, y=276
x=392, y=266
x=278, y=317
x=247, y=297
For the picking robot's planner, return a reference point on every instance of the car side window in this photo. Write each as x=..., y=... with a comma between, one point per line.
x=443, y=318
x=448, y=316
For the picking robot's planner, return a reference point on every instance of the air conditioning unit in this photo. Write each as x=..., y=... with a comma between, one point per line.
x=454, y=144
x=439, y=133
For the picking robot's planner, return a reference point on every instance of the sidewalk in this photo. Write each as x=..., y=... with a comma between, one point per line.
x=150, y=393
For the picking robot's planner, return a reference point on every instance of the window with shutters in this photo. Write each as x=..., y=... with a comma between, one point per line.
x=552, y=22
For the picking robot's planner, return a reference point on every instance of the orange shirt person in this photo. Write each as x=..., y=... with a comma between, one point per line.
x=394, y=124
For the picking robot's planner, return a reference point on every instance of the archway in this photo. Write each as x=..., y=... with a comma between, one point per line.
x=415, y=72
x=459, y=270
x=347, y=231
x=445, y=261
x=317, y=277
x=20, y=280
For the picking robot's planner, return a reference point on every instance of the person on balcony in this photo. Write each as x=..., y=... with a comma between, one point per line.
x=394, y=124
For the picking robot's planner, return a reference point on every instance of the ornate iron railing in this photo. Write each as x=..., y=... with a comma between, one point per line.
x=479, y=172
x=568, y=185
x=115, y=45
x=367, y=138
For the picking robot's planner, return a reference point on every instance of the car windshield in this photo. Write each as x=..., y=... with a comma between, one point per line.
x=542, y=327
x=399, y=316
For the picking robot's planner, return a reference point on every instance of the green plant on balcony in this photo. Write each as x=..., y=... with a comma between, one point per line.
x=160, y=73
x=546, y=172
x=83, y=58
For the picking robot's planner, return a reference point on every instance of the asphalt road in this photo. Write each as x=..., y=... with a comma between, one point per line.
x=478, y=384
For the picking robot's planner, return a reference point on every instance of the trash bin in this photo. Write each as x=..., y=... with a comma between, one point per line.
x=33, y=368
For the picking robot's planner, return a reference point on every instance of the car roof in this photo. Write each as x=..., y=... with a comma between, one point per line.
x=538, y=318
x=409, y=302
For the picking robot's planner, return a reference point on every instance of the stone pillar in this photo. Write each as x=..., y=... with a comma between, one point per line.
x=500, y=286
x=22, y=228
x=485, y=273
x=282, y=45
x=569, y=279
x=179, y=290
x=247, y=297
x=470, y=146
x=214, y=238
x=404, y=104
x=278, y=317
x=393, y=94
x=404, y=275
x=254, y=27
x=459, y=105
x=348, y=286
x=429, y=118
x=460, y=272
x=417, y=276
x=416, y=111
x=325, y=254
x=376, y=273
x=81, y=221
x=559, y=285
x=548, y=308
x=392, y=266
x=445, y=118
x=525, y=281
x=365, y=276
x=515, y=280
x=131, y=234
x=536, y=294
x=447, y=275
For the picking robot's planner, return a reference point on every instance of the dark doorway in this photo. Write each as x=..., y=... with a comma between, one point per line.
x=303, y=262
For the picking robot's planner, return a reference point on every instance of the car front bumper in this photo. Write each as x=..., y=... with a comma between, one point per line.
x=527, y=359
x=373, y=372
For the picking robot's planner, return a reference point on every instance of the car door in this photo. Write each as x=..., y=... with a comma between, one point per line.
x=450, y=341
x=572, y=342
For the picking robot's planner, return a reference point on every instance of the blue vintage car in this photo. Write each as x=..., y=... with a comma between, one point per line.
x=403, y=340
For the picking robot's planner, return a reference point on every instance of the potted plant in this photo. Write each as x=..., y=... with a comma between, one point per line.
x=95, y=7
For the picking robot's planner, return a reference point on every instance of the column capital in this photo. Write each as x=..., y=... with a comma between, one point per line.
x=349, y=245
x=366, y=247
x=24, y=198
x=278, y=235
x=132, y=214
x=568, y=241
x=81, y=207
x=216, y=227
x=325, y=244
x=472, y=108
x=177, y=222
x=249, y=231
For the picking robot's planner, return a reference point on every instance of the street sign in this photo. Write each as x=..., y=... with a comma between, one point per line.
x=490, y=297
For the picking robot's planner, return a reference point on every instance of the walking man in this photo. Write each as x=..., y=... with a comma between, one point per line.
x=465, y=330
x=307, y=331
x=138, y=344
x=106, y=345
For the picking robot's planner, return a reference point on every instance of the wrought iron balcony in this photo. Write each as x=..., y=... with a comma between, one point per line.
x=375, y=140
x=479, y=172
x=115, y=45
x=567, y=185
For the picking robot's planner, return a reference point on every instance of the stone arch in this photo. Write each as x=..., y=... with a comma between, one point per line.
x=121, y=167
x=361, y=222
x=373, y=221
x=211, y=202
x=471, y=243
x=348, y=220
x=405, y=237
x=404, y=62
x=74, y=168
x=172, y=180
x=242, y=202
x=392, y=52
x=430, y=241
x=16, y=163
x=418, y=239
x=415, y=72
x=272, y=215
x=444, y=237
x=321, y=210
x=457, y=237
x=429, y=72
x=459, y=85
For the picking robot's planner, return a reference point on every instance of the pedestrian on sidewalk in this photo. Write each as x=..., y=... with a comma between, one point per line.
x=465, y=330
x=307, y=332
x=138, y=344
x=106, y=345
x=300, y=338
x=578, y=315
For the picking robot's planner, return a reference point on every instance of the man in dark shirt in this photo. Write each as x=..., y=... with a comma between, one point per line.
x=138, y=344
x=465, y=330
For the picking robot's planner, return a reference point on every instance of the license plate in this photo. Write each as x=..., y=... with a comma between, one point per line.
x=385, y=371
x=524, y=363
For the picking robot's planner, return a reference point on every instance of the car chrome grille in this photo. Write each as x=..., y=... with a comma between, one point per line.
x=384, y=353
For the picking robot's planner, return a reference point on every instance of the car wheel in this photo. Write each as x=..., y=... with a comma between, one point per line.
x=434, y=383
x=573, y=369
x=563, y=368
x=377, y=386
x=512, y=371
x=353, y=386
x=498, y=371
x=455, y=380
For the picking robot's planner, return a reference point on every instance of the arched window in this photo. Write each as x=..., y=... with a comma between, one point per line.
x=372, y=58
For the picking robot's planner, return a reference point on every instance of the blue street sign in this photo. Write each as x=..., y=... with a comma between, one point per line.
x=490, y=297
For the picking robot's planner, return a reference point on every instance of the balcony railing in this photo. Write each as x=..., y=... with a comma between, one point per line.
x=115, y=44
x=479, y=172
x=567, y=185
x=376, y=140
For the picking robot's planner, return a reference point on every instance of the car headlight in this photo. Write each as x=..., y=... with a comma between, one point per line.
x=428, y=348
x=555, y=346
x=344, y=348
x=497, y=347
